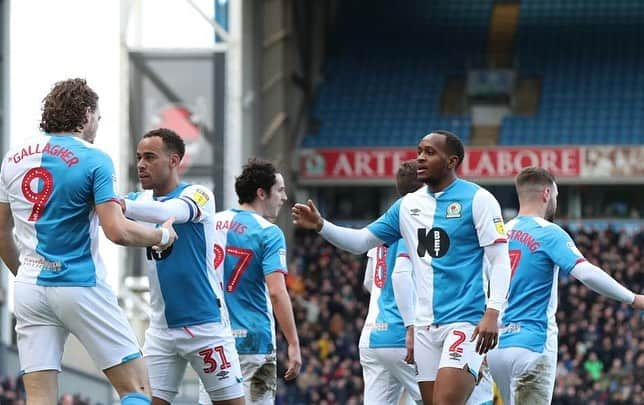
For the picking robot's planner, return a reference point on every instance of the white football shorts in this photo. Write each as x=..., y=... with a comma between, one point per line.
x=210, y=350
x=523, y=376
x=386, y=375
x=447, y=345
x=46, y=315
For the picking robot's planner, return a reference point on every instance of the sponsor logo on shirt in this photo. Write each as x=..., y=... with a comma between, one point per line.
x=240, y=333
x=498, y=224
x=200, y=197
x=573, y=248
x=282, y=254
x=414, y=211
x=435, y=242
x=377, y=326
x=454, y=210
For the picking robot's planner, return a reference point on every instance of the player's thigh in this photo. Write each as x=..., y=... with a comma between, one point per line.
x=165, y=366
x=92, y=314
x=403, y=373
x=500, y=362
x=483, y=392
x=459, y=365
x=427, y=353
x=212, y=354
x=380, y=384
x=534, y=383
x=41, y=335
x=260, y=378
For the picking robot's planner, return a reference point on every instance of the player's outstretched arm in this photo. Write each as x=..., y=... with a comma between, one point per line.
x=157, y=212
x=284, y=314
x=602, y=283
x=356, y=241
x=124, y=232
x=8, y=249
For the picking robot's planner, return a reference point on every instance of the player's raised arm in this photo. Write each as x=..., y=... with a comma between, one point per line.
x=194, y=203
x=122, y=231
x=356, y=241
x=570, y=260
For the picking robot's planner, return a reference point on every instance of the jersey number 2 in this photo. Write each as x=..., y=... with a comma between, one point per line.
x=37, y=198
x=245, y=256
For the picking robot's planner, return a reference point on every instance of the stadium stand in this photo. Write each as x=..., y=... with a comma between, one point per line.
x=588, y=56
x=601, y=345
x=387, y=67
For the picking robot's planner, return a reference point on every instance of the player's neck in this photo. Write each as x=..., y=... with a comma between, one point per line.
x=252, y=208
x=166, y=188
x=531, y=210
x=442, y=184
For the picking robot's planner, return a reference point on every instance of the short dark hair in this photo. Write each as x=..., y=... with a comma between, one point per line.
x=64, y=108
x=172, y=141
x=533, y=176
x=407, y=178
x=453, y=145
x=256, y=173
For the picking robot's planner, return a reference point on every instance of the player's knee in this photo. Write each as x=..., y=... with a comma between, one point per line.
x=135, y=398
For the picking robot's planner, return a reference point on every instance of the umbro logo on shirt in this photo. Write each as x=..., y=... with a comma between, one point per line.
x=414, y=211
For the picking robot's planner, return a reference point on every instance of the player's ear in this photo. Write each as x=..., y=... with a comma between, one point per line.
x=452, y=162
x=175, y=160
x=261, y=193
x=545, y=194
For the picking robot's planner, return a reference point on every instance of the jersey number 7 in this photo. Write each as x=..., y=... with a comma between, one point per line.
x=245, y=256
x=515, y=258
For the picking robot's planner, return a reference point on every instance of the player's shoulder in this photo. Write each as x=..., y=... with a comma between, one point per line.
x=544, y=229
x=201, y=195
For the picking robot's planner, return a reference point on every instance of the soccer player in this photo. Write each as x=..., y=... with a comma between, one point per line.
x=251, y=251
x=450, y=227
x=386, y=351
x=524, y=365
x=189, y=323
x=55, y=188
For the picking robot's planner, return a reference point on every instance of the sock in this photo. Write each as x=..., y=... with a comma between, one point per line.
x=135, y=398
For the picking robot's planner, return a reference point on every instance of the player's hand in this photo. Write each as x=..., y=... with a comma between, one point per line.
x=638, y=303
x=409, y=344
x=294, y=362
x=487, y=331
x=307, y=216
x=173, y=236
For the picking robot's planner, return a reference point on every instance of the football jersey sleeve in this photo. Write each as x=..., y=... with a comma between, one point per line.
x=387, y=227
x=402, y=250
x=200, y=200
x=368, y=272
x=562, y=250
x=488, y=221
x=4, y=196
x=274, y=254
x=104, y=178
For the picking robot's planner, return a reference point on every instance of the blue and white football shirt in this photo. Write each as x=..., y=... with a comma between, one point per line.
x=539, y=252
x=185, y=290
x=445, y=233
x=249, y=248
x=384, y=326
x=52, y=184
